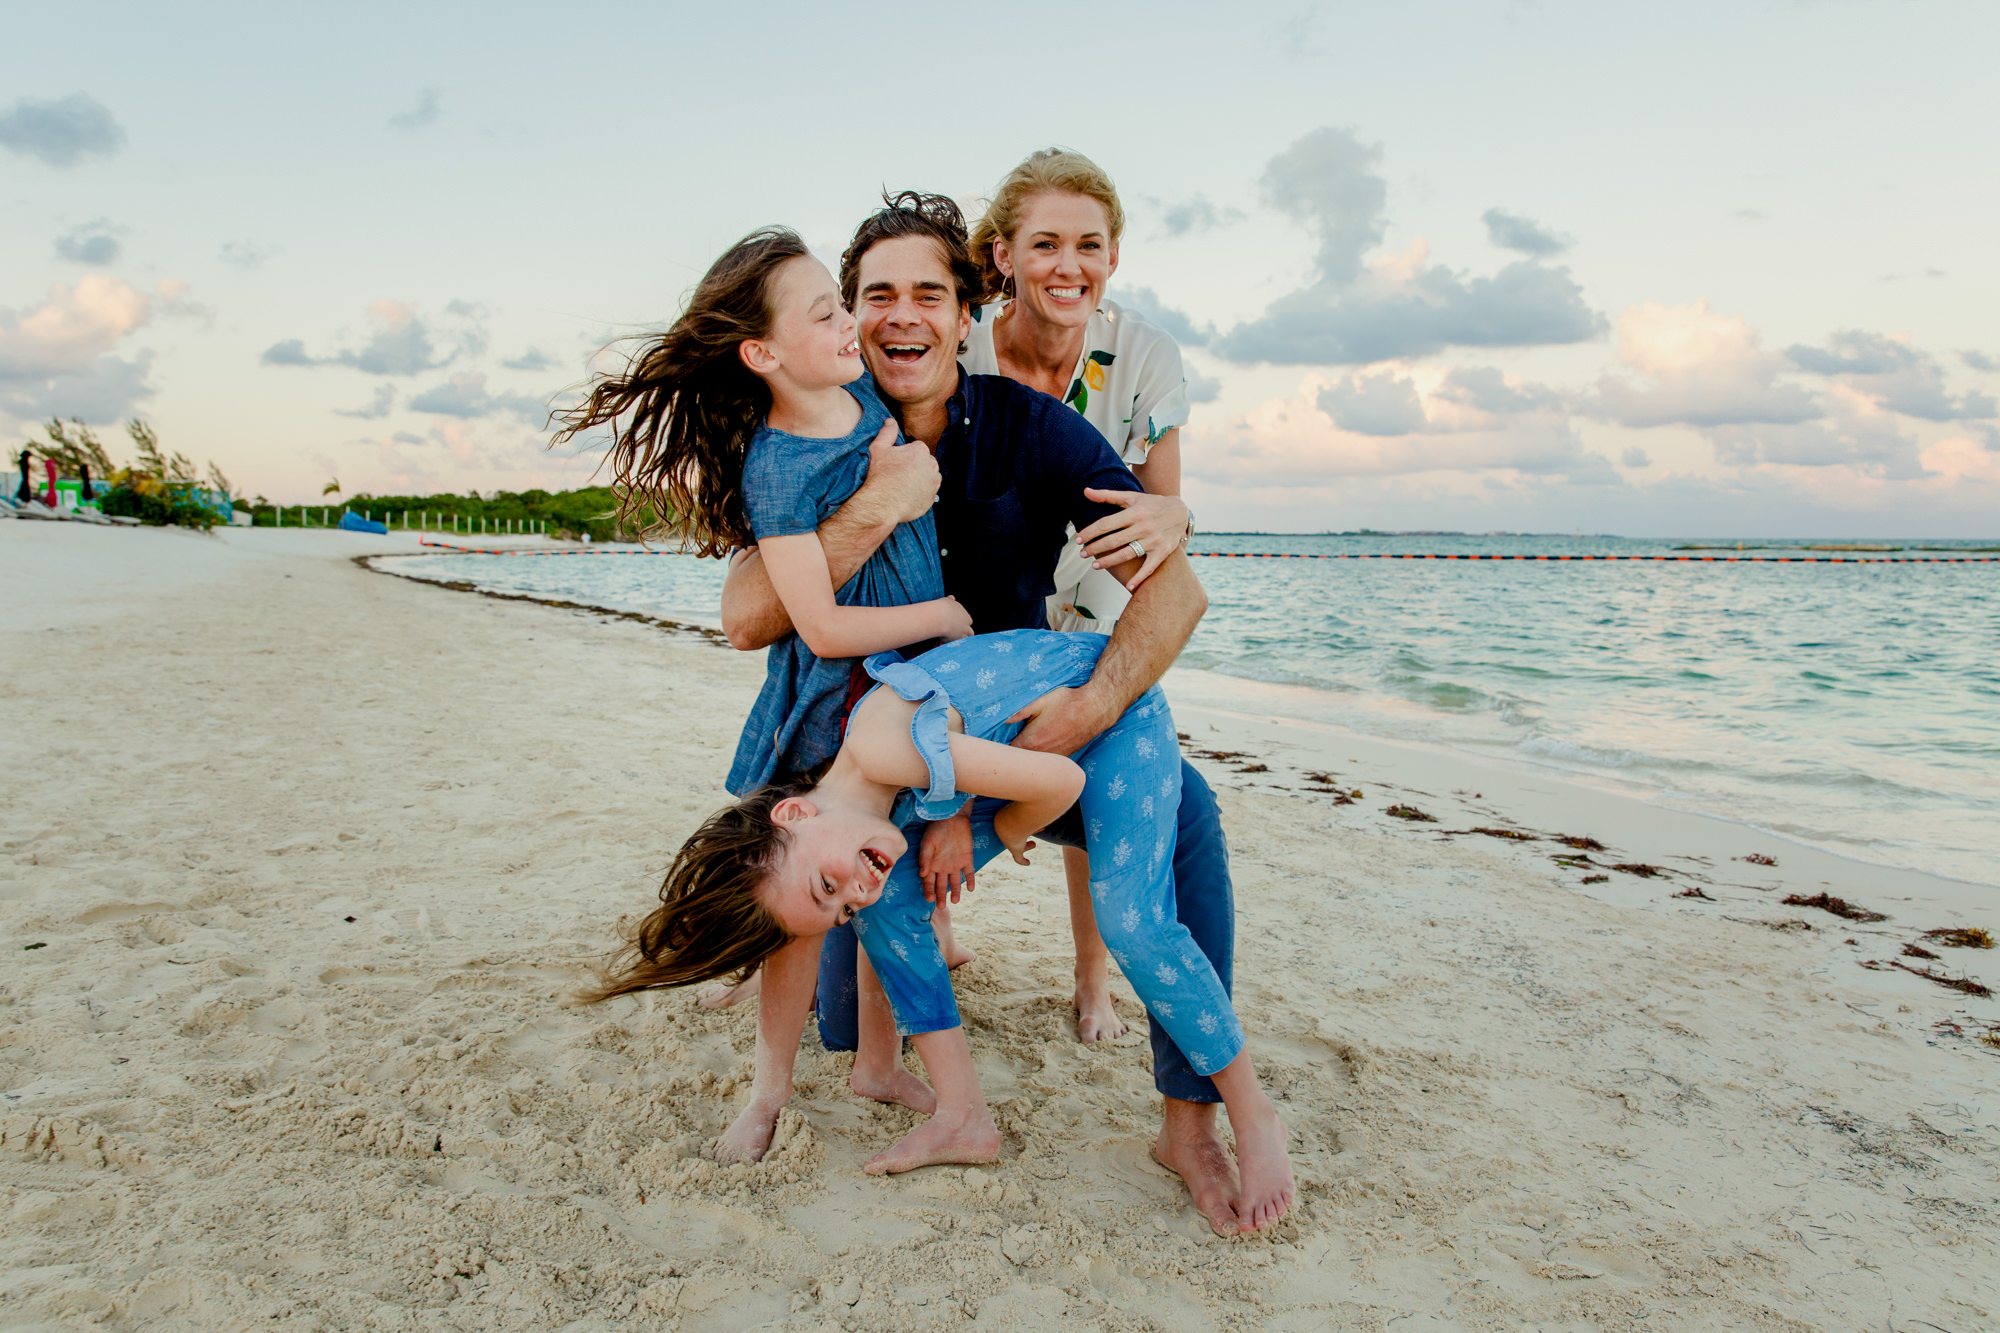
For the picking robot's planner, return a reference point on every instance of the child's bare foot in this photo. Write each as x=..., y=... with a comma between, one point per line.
x=1096, y=1017
x=725, y=997
x=898, y=1086
x=1189, y=1147
x=956, y=955
x=955, y=1136
x=749, y=1135
x=1267, y=1191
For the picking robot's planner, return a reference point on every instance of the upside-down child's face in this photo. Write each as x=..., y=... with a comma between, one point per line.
x=835, y=863
x=811, y=340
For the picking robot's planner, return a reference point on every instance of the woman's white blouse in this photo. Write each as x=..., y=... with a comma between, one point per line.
x=1128, y=383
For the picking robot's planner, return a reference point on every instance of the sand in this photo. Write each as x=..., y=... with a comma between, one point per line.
x=315, y=855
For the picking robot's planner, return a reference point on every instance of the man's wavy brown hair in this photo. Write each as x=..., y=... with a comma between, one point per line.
x=711, y=921
x=683, y=409
x=913, y=213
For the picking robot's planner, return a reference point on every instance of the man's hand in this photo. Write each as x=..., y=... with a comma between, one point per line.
x=1062, y=721
x=903, y=480
x=1156, y=522
x=944, y=858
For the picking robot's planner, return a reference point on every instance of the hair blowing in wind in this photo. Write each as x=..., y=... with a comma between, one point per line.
x=684, y=408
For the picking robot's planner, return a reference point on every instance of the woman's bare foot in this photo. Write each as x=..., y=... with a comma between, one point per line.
x=1189, y=1147
x=897, y=1086
x=967, y=1136
x=1096, y=1017
x=726, y=997
x=1266, y=1166
x=749, y=1135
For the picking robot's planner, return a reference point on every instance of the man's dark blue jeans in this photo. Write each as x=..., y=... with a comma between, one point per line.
x=1204, y=899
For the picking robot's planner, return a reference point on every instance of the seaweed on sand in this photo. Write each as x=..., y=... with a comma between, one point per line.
x=1963, y=985
x=1759, y=859
x=1840, y=907
x=1918, y=951
x=1512, y=835
x=1254, y=768
x=1581, y=844
x=1410, y=812
x=1640, y=868
x=1694, y=891
x=1597, y=879
x=1961, y=937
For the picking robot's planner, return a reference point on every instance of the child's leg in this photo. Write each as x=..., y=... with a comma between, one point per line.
x=955, y=954
x=879, y=1072
x=1130, y=809
x=781, y=1020
x=1095, y=1015
x=728, y=997
x=962, y=1129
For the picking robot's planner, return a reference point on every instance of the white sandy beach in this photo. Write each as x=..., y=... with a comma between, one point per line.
x=303, y=861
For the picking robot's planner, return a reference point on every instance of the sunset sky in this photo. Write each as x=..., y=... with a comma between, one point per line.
x=1707, y=269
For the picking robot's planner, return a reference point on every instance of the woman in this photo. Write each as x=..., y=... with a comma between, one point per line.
x=1049, y=245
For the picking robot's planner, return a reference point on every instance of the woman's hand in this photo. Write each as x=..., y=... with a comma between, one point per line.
x=1011, y=826
x=954, y=621
x=944, y=859
x=1156, y=522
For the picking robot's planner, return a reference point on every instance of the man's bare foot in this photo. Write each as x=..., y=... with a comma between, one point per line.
x=1267, y=1191
x=897, y=1086
x=749, y=1135
x=956, y=1136
x=726, y=997
x=1096, y=1017
x=1189, y=1147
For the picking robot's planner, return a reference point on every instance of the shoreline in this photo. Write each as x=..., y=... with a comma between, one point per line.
x=312, y=878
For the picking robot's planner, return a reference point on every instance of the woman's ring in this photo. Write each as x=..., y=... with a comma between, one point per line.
x=1137, y=549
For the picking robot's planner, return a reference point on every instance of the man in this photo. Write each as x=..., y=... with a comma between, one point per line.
x=1009, y=468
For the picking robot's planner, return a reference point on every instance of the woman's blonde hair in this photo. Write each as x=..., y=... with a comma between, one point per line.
x=1047, y=171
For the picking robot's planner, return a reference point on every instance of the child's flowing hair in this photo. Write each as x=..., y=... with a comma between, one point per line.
x=683, y=410
x=711, y=921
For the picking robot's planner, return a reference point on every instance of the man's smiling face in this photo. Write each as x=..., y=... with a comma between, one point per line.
x=911, y=321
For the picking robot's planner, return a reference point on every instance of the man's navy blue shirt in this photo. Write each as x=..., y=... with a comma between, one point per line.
x=1015, y=462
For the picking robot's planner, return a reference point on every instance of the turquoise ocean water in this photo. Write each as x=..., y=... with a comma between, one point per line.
x=1852, y=706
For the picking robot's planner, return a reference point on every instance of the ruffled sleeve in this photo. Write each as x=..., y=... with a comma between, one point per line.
x=930, y=730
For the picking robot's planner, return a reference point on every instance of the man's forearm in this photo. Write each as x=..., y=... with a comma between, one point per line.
x=1148, y=637
x=752, y=614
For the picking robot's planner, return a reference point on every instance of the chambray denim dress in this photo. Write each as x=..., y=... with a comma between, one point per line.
x=1130, y=805
x=792, y=484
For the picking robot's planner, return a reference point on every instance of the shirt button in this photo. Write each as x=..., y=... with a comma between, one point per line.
x=943, y=552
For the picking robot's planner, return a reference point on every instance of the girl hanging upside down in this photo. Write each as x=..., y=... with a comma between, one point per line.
x=789, y=863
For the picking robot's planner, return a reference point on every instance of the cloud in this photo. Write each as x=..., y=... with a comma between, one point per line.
x=1201, y=388
x=466, y=395
x=1384, y=404
x=424, y=113
x=1194, y=214
x=402, y=344
x=73, y=326
x=92, y=243
x=531, y=360
x=1979, y=361
x=1509, y=231
x=1853, y=432
x=1697, y=368
x=409, y=437
x=244, y=254
x=62, y=131
x=1397, y=306
x=1636, y=457
x=383, y=404
x=1896, y=375
x=1147, y=305
x=104, y=389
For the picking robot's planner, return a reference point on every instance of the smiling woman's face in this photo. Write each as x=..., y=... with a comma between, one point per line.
x=834, y=863
x=1061, y=258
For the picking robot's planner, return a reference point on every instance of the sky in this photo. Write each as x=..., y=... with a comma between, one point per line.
x=1704, y=270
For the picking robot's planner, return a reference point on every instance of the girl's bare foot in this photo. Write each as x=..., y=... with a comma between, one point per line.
x=1096, y=1017
x=726, y=997
x=1189, y=1147
x=956, y=955
x=967, y=1136
x=1266, y=1166
x=897, y=1086
x=749, y=1135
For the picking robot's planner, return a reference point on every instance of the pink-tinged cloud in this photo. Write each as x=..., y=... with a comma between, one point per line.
x=1687, y=365
x=75, y=325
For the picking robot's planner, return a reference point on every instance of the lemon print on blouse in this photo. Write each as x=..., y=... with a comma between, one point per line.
x=1092, y=377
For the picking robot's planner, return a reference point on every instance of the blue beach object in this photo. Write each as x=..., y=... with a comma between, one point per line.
x=353, y=522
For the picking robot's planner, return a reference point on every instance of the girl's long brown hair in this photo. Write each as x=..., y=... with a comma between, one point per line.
x=684, y=408
x=710, y=922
